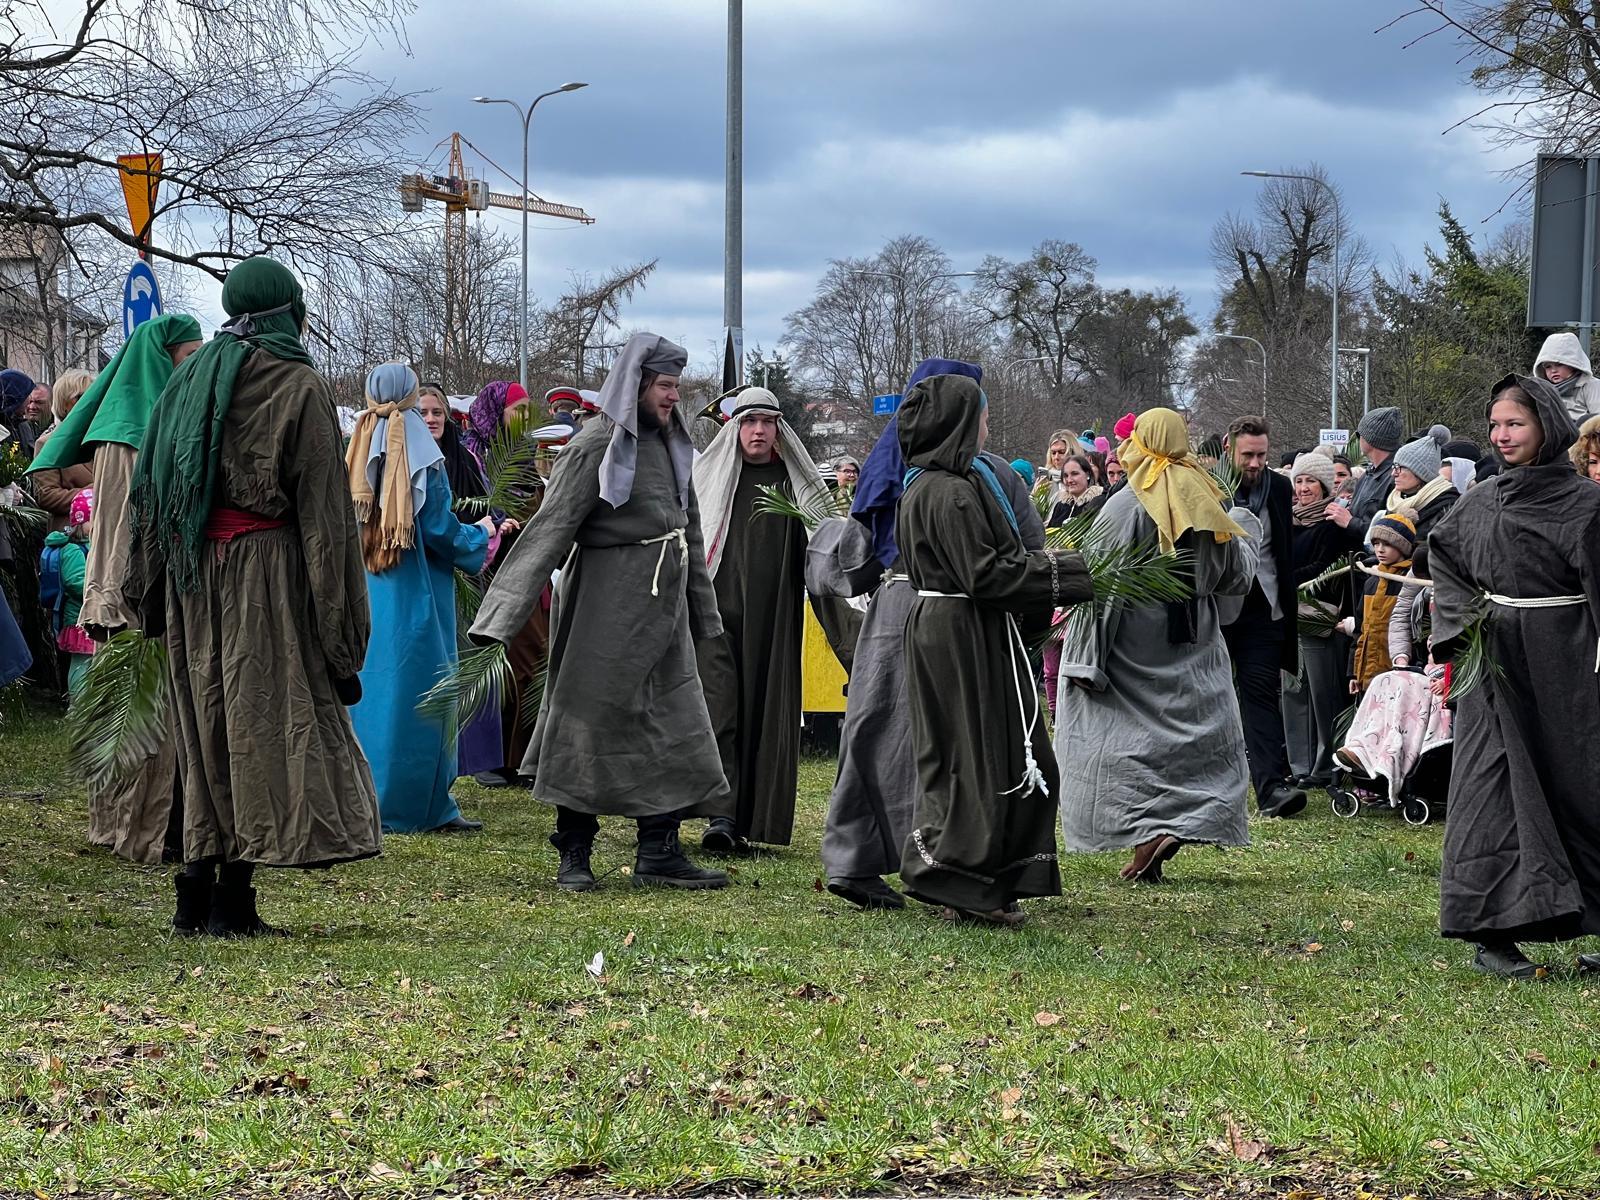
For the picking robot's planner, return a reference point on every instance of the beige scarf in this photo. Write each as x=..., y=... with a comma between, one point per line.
x=389, y=526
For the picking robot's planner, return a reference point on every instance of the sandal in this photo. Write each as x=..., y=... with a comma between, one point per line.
x=1161, y=850
x=1005, y=918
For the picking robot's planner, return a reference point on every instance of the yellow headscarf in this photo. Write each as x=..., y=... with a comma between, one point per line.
x=1177, y=493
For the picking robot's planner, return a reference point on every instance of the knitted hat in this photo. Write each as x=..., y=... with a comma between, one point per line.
x=1421, y=458
x=81, y=507
x=1024, y=468
x=1440, y=434
x=1383, y=428
x=1461, y=448
x=1397, y=529
x=1318, y=467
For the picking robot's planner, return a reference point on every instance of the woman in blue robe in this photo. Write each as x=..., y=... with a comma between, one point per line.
x=413, y=543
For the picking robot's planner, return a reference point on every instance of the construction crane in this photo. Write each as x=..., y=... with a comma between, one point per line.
x=459, y=192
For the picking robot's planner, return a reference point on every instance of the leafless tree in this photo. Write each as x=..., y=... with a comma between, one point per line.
x=579, y=330
x=272, y=141
x=1041, y=304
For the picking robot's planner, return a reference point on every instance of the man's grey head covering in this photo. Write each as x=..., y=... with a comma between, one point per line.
x=1383, y=429
x=619, y=400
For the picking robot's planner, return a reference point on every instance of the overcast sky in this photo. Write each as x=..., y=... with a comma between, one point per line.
x=985, y=125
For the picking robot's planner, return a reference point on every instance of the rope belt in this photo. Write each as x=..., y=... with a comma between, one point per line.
x=1543, y=602
x=666, y=539
x=1032, y=777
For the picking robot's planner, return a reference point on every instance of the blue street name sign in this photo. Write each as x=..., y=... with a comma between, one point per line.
x=883, y=406
x=141, y=298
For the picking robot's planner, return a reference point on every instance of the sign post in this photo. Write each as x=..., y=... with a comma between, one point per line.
x=141, y=179
x=141, y=298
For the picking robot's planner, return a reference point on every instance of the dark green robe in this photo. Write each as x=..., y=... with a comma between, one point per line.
x=751, y=674
x=980, y=840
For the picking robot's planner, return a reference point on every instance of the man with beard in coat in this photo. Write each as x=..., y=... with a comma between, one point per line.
x=1262, y=640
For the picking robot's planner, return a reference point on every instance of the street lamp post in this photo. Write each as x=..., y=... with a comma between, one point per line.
x=1366, y=374
x=1262, y=350
x=1338, y=232
x=527, y=120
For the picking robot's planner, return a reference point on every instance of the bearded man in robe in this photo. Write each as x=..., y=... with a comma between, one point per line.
x=623, y=729
x=751, y=674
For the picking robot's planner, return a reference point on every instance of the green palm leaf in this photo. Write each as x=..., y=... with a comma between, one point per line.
x=510, y=468
x=479, y=678
x=1472, y=663
x=817, y=505
x=1228, y=476
x=24, y=518
x=120, y=717
x=469, y=598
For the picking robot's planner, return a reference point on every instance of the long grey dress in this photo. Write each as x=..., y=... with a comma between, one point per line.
x=1154, y=744
x=623, y=730
x=1522, y=827
x=874, y=800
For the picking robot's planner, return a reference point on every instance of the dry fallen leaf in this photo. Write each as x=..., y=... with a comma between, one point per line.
x=1313, y=947
x=380, y=1170
x=628, y=941
x=1243, y=1148
x=1045, y=1019
x=1011, y=1095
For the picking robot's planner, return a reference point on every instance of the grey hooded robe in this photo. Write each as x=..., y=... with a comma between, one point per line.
x=623, y=729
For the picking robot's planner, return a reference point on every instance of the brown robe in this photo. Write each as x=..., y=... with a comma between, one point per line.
x=272, y=772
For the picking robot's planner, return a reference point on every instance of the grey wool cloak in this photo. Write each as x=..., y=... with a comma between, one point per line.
x=623, y=729
x=272, y=772
x=751, y=674
x=1522, y=826
x=984, y=834
x=873, y=805
x=1151, y=742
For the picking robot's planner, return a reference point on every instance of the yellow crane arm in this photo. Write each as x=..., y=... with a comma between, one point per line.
x=543, y=207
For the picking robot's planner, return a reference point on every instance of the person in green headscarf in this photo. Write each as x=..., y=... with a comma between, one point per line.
x=139, y=816
x=246, y=537
x=106, y=427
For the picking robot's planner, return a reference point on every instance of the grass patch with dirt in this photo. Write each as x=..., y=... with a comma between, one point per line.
x=1282, y=1017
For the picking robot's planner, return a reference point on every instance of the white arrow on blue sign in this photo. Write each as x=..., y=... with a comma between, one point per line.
x=883, y=406
x=141, y=298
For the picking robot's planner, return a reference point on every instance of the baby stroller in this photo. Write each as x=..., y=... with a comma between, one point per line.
x=1398, y=751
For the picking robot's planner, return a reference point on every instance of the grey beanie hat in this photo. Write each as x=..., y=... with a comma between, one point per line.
x=1421, y=458
x=1440, y=434
x=1383, y=429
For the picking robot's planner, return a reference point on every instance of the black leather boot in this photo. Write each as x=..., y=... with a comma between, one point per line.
x=194, y=902
x=575, y=874
x=233, y=907
x=1504, y=959
x=661, y=861
x=867, y=891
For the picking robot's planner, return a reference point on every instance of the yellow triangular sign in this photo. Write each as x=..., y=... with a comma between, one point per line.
x=141, y=177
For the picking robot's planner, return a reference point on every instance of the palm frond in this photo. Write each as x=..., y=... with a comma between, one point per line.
x=510, y=468
x=469, y=597
x=1321, y=622
x=120, y=717
x=479, y=678
x=817, y=505
x=1136, y=574
x=23, y=517
x=1336, y=569
x=1228, y=477
x=1473, y=664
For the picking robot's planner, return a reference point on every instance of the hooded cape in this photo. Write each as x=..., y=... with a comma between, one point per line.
x=116, y=408
x=883, y=475
x=619, y=401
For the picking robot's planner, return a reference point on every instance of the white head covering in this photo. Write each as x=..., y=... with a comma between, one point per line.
x=716, y=471
x=619, y=401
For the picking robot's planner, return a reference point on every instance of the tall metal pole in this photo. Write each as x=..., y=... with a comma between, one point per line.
x=522, y=373
x=733, y=233
x=1338, y=233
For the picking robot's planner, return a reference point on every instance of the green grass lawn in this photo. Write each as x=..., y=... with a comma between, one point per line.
x=1278, y=1019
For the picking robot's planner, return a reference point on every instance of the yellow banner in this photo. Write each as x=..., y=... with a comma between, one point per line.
x=141, y=177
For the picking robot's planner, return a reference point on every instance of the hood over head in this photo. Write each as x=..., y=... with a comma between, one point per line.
x=939, y=423
x=1559, y=431
x=1562, y=348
